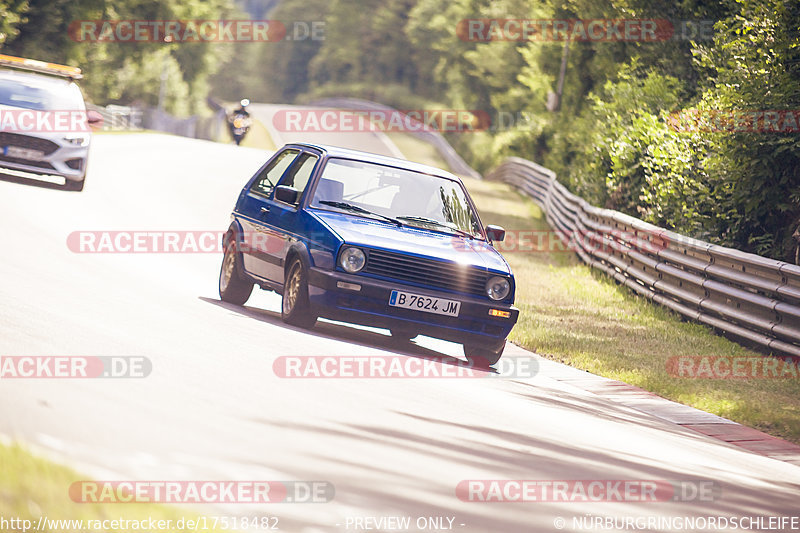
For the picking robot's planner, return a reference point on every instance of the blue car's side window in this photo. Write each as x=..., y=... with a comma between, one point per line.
x=299, y=175
x=269, y=177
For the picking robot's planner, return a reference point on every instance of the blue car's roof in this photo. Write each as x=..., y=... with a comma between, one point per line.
x=347, y=153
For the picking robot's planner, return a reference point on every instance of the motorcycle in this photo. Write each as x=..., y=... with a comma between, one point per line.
x=239, y=124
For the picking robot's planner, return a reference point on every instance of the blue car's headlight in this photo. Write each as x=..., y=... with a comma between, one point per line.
x=498, y=287
x=352, y=259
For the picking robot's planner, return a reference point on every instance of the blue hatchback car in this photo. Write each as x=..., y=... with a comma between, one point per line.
x=372, y=240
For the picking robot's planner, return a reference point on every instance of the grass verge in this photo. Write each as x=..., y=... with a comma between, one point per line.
x=580, y=317
x=32, y=487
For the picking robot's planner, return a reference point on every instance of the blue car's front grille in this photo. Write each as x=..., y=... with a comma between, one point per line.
x=428, y=272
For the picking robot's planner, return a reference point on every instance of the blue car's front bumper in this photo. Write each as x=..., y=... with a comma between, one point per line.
x=370, y=306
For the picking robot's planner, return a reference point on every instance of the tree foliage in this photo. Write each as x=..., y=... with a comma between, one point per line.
x=610, y=141
x=121, y=72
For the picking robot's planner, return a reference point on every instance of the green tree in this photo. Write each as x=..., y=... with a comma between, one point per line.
x=12, y=14
x=275, y=71
x=122, y=72
x=754, y=65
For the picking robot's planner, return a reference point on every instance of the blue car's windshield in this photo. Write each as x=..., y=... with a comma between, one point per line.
x=413, y=198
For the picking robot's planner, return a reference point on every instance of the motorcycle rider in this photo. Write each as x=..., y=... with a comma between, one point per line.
x=239, y=121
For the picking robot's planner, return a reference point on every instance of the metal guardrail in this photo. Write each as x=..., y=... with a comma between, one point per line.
x=211, y=128
x=746, y=295
x=126, y=118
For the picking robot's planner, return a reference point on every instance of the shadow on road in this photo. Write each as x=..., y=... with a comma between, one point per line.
x=512, y=455
x=352, y=335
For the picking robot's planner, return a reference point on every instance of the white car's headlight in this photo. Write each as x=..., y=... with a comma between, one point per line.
x=352, y=260
x=498, y=287
x=77, y=139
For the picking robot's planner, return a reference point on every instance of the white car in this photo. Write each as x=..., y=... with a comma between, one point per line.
x=44, y=125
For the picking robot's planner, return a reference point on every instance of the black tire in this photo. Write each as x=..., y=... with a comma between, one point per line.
x=295, y=307
x=484, y=355
x=403, y=335
x=75, y=186
x=233, y=287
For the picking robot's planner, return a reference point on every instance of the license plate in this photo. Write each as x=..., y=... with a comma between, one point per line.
x=24, y=153
x=439, y=306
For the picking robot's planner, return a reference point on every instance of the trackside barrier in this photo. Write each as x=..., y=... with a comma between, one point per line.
x=126, y=118
x=746, y=295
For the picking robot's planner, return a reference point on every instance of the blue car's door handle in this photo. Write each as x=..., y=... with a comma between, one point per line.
x=264, y=210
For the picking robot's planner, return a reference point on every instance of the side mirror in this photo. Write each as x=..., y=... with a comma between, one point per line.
x=94, y=119
x=495, y=233
x=286, y=194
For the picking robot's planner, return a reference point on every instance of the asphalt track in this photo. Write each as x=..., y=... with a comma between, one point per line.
x=213, y=409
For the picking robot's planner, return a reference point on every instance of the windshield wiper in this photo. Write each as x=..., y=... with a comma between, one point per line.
x=433, y=222
x=357, y=209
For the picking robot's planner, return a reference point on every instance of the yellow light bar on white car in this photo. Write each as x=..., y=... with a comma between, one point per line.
x=40, y=66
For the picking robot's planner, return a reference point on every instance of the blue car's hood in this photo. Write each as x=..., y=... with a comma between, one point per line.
x=407, y=239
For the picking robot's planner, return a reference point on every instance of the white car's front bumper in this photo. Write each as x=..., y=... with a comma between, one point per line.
x=38, y=153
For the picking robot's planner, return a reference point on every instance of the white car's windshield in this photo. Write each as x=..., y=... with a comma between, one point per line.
x=412, y=198
x=40, y=96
